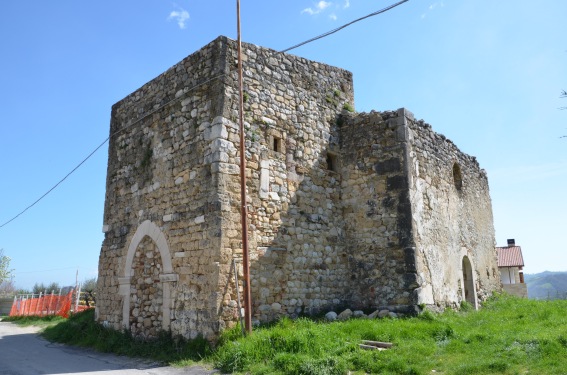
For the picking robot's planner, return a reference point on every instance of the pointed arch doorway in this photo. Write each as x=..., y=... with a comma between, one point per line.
x=146, y=307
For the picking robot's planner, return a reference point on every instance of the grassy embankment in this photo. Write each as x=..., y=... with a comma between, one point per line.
x=507, y=336
x=26, y=321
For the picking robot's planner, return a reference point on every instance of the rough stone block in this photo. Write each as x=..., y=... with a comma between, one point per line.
x=331, y=316
x=345, y=315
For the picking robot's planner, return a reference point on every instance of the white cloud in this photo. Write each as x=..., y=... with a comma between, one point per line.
x=180, y=16
x=323, y=4
x=333, y=16
x=347, y=4
x=437, y=4
x=432, y=7
x=319, y=7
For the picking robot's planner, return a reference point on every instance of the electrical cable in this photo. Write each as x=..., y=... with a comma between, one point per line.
x=54, y=269
x=102, y=144
x=190, y=90
x=57, y=184
x=344, y=26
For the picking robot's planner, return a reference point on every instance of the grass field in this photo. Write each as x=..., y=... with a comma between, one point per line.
x=507, y=336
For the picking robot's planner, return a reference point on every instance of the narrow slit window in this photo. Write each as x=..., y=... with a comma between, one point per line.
x=277, y=144
x=332, y=162
x=457, y=176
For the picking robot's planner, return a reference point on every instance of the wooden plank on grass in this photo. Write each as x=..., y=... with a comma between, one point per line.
x=378, y=344
x=370, y=347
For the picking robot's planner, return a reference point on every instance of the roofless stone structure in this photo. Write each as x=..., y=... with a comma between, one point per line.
x=367, y=210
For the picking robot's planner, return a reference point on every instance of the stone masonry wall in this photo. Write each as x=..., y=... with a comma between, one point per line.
x=174, y=163
x=376, y=211
x=298, y=264
x=359, y=210
x=519, y=290
x=160, y=189
x=452, y=219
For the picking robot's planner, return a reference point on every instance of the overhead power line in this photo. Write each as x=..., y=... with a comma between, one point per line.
x=55, y=186
x=344, y=26
x=102, y=144
x=190, y=90
x=50, y=270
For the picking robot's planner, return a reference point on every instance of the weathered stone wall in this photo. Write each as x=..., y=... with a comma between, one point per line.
x=160, y=189
x=376, y=211
x=358, y=210
x=452, y=219
x=518, y=290
x=173, y=179
x=292, y=105
x=414, y=207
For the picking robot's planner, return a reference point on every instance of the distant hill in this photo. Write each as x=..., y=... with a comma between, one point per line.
x=547, y=285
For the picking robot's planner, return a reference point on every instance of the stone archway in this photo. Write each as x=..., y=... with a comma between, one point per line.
x=469, y=290
x=165, y=275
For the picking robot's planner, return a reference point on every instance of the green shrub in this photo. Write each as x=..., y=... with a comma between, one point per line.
x=348, y=107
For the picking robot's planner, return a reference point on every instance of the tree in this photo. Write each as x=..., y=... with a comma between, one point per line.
x=7, y=287
x=89, y=288
x=5, y=271
x=42, y=288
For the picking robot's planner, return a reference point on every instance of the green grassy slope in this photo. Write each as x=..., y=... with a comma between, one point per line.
x=507, y=336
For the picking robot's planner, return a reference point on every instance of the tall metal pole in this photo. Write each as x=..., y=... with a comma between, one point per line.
x=244, y=206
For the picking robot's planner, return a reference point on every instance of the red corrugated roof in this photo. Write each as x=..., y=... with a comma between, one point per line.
x=510, y=256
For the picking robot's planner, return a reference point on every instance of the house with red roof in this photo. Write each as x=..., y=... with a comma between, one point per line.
x=510, y=265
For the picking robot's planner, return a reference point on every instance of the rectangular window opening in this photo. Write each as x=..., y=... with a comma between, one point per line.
x=277, y=144
x=332, y=164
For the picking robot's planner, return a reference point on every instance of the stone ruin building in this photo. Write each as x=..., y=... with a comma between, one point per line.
x=360, y=210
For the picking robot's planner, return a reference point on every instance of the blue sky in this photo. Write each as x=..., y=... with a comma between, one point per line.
x=487, y=74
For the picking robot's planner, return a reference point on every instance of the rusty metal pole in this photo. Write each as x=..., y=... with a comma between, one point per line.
x=244, y=206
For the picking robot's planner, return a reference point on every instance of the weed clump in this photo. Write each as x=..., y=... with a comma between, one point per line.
x=82, y=330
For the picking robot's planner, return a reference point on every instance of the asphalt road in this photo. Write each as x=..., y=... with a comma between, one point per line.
x=23, y=352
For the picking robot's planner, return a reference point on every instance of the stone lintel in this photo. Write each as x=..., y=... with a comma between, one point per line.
x=272, y=248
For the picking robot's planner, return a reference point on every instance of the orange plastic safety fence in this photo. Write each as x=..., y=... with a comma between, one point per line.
x=83, y=308
x=48, y=304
